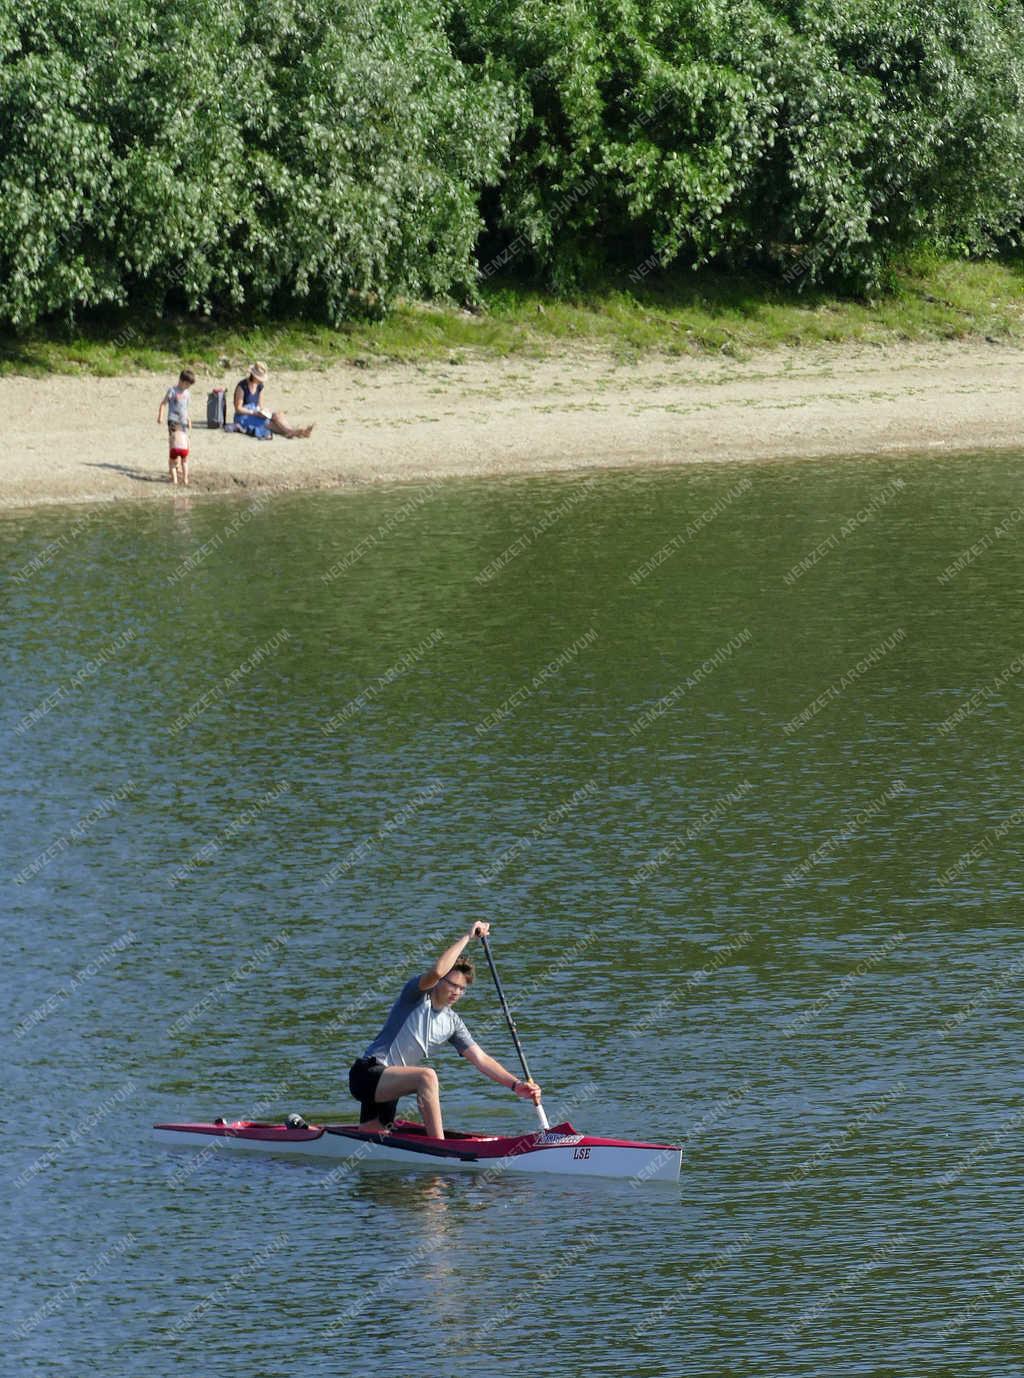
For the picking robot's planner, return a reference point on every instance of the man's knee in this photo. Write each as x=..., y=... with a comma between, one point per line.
x=429, y=1083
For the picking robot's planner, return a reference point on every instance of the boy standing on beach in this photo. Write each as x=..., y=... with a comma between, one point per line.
x=178, y=425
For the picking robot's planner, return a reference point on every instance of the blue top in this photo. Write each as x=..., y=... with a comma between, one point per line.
x=250, y=396
x=414, y=1029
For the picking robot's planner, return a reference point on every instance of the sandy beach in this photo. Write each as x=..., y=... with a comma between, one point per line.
x=79, y=440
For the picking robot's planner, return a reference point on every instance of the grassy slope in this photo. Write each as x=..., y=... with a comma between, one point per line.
x=689, y=313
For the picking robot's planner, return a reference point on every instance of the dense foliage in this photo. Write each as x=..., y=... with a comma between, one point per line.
x=824, y=137
x=339, y=152
x=213, y=151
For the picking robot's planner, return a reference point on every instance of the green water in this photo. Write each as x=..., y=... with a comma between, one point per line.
x=749, y=874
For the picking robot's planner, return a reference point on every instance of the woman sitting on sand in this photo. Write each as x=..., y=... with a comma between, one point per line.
x=250, y=414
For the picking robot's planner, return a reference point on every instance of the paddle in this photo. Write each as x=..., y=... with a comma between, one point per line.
x=511, y=1025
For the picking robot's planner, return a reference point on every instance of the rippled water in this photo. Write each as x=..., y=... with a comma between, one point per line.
x=728, y=755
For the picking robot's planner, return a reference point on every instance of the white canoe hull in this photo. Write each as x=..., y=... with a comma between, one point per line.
x=640, y=1163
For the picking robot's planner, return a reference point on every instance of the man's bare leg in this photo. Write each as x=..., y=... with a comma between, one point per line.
x=405, y=1081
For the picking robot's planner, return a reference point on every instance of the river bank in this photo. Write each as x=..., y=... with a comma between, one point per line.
x=79, y=440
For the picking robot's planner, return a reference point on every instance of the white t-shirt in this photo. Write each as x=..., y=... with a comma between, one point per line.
x=414, y=1029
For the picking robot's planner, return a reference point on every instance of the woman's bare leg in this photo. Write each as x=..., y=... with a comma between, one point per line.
x=279, y=424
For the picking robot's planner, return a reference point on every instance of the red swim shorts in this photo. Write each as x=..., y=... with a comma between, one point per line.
x=179, y=454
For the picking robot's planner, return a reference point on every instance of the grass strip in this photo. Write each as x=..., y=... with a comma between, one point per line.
x=674, y=314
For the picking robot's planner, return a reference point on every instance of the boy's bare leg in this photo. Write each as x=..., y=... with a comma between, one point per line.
x=172, y=469
x=184, y=471
x=403, y=1081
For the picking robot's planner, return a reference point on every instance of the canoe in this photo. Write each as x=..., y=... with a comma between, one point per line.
x=560, y=1149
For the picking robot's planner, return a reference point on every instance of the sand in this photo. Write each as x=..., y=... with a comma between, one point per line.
x=79, y=440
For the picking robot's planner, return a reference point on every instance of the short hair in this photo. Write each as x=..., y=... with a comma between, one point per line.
x=467, y=968
x=186, y=376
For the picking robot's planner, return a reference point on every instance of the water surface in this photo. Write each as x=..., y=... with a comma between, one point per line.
x=689, y=739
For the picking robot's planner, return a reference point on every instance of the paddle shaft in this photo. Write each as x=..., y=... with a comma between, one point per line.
x=512, y=1026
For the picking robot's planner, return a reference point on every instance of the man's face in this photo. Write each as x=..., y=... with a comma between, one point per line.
x=449, y=989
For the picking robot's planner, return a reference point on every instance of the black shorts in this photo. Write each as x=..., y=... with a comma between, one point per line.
x=363, y=1077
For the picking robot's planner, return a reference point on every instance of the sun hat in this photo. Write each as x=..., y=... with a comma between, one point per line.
x=259, y=372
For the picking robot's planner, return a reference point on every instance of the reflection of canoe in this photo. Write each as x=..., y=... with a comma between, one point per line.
x=560, y=1149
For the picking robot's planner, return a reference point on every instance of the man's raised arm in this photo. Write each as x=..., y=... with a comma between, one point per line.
x=451, y=955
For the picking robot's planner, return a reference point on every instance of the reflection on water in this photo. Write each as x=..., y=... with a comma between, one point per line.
x=752, y=878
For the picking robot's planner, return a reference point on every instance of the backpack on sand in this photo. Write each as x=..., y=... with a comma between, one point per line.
x=216, y=409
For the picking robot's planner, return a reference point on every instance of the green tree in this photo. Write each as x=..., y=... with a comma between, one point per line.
x=744, y=131
x=213, y=152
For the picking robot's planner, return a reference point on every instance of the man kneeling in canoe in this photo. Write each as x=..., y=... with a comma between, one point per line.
x=421, y=1020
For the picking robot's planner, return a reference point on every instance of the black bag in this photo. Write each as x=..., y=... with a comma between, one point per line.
x=216, y=409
